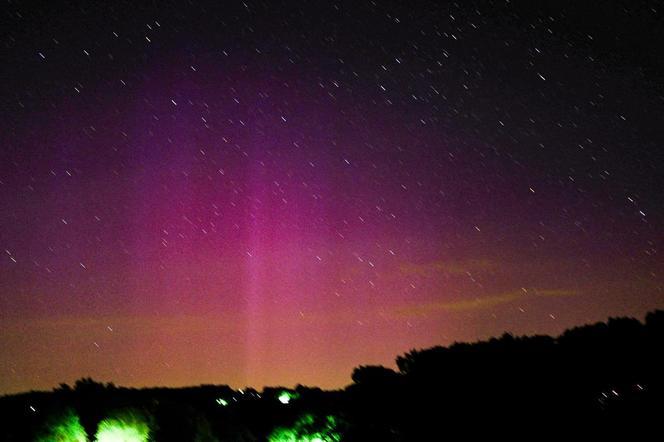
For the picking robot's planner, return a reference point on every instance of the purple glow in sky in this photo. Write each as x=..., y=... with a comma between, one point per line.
x=261, y=195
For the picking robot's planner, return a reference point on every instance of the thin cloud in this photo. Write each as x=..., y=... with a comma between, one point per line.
x=482, y=303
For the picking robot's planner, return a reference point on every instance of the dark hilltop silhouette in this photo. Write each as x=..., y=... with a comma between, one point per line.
x=589, y=382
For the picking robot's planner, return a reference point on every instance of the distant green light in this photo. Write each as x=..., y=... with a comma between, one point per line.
x=222, y=402
x=66, y=428
x=129, y=428
x=286, y=396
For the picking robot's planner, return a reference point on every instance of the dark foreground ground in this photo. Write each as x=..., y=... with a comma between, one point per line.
x=590, y=382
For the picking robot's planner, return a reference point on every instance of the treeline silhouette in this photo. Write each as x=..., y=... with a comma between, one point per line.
x=591, y=381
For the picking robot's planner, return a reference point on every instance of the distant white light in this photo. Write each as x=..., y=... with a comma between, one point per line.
x=285, y=397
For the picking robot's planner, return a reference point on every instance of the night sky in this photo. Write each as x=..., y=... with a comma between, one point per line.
x=266, y=193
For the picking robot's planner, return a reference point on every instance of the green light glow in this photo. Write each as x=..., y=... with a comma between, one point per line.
x=65, y=428
x=128, y=427
x=308, y=429
x=286, y=396
x=222, y=402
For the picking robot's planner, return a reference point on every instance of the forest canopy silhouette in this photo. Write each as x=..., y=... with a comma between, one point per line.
x=593, y=378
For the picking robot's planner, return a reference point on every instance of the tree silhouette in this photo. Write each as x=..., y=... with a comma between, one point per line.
x=594, y=379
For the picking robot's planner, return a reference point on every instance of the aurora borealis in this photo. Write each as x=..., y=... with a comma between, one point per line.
x=267, y=193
